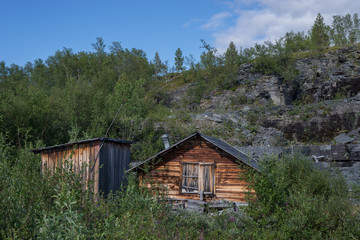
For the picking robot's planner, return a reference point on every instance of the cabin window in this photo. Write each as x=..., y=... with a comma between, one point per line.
x=190, y=178
x=198, y=177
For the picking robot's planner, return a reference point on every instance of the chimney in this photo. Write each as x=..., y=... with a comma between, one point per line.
x=165, y=138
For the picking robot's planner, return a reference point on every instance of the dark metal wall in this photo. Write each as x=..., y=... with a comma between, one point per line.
x=114, y=161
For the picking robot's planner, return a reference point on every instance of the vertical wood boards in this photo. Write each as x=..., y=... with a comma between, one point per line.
x=109, y=165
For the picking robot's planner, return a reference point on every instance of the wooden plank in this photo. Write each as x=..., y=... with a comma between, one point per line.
x=91, y=161
x=67, y=162
x=180, y=180
x=51, y=162
x=228, y=170
x=48, y=162
x=231, y=176
x=164, y=168
x=198, y=155
x=227, y=164
x=96, y=168
x=165, y=174
x=43, y=163
x=231, y=183
x=231, y=195
x=87, y=162
x=54, y=160
x=74, y=158
x=81, y=163
x=231, y=190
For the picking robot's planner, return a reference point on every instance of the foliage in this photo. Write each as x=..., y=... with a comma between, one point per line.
x=160, y=67
x=345, y=29
x=295, y=200
x=44, y=100
x=231, y=55
x=278, y=58
x=24, y=196
x=319, y=34
x=208, y=57
x=179, y=60
x=296, y=42
x=298, y=199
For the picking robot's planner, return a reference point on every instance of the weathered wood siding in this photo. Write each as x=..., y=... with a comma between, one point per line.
x=80, y=158
x=110, y=165
x=167, y=173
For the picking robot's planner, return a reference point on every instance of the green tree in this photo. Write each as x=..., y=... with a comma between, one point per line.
x=295, y=42
x=354, y=35
x=99, y=46
x=345, y=30
x=159, y=66
x=190, y=61
x=179, y=60
x=319, y=34
x=231, y=55
x=208, y=58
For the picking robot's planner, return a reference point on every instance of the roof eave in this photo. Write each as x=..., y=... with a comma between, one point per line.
x=39, y=150
x=159, y=154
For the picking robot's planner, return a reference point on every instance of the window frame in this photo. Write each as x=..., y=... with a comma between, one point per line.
x=200, y=176
x=183, y=164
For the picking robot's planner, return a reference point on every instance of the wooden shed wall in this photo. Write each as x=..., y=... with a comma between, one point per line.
x=167, y=173
x=80, y=157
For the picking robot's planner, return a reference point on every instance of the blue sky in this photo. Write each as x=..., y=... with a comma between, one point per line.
x=36, y=29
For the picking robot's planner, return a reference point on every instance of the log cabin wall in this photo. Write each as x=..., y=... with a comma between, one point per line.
x=168, y=173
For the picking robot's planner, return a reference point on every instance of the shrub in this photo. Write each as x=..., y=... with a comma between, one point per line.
x=297, y=199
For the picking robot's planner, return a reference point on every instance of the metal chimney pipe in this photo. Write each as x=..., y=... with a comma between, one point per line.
x=165, y=138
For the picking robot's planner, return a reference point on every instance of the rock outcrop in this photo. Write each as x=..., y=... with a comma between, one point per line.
x=318, y=113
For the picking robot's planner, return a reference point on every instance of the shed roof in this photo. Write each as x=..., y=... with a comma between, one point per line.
x=219, y=143
x=39, y=150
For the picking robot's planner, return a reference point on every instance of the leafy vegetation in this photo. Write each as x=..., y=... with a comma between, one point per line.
x=71, y=96
x=44, y=100
x=298, y=199
x=295, y=199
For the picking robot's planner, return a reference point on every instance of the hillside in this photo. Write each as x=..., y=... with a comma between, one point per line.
x=263, y=114
x=262, y=110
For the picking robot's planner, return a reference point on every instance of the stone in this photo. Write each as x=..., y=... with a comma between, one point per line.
x=343, y=138
x=213, y=119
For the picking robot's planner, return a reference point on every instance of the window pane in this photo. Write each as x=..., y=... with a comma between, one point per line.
x=190, y=178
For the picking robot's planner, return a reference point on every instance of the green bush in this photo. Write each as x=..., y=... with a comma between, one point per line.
x=297, y=199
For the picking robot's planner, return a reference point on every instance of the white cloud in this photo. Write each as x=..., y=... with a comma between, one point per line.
x=216, y=21
x=194, y=20
x=260, y=20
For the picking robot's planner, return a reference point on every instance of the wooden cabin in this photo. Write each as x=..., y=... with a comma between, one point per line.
x=198, y=167
x=101, y=161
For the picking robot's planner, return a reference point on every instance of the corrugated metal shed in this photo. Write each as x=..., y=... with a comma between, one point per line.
x=100, y=161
